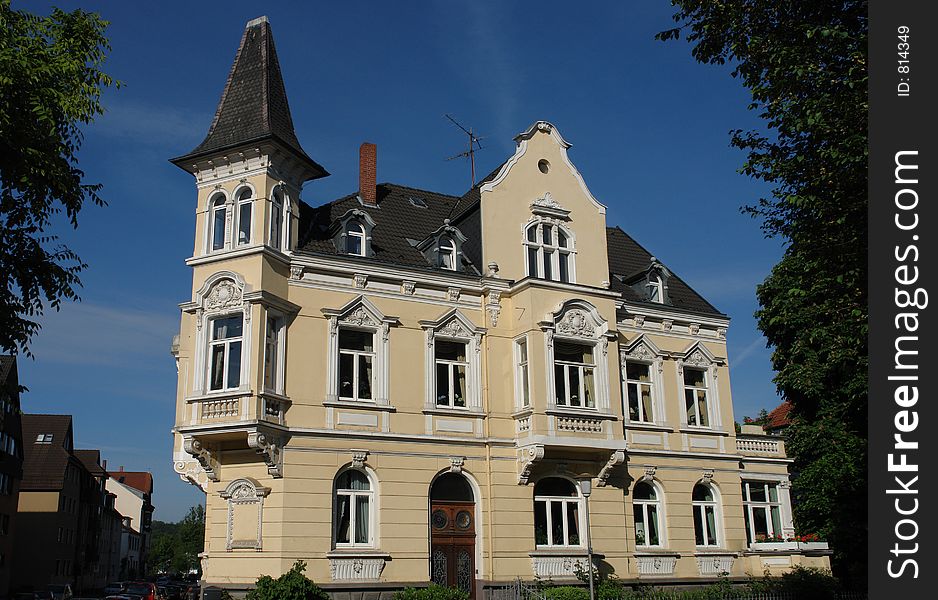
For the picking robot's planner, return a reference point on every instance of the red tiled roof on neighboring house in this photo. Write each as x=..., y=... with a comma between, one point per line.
x=140, y=480
x=779, y=417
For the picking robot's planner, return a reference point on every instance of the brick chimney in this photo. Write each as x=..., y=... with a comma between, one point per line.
x=367, y=173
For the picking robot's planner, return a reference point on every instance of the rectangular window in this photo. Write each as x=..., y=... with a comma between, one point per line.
x=573, y=375
x=451, y=366
x=218, y=227
x=272, y=345
x=356, y=364
x=556, y=522
x=225, y=353
x=762, y=511
x=695, y=397
x=639, y=392
x=522, y=373
x=244, y=223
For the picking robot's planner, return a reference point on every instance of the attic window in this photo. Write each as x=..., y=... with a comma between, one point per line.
x=654, y=289
x=447, y=254
x=543, y=165
x=418, y=202
x=44, y=438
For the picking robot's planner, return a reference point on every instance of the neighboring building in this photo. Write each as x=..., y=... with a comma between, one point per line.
x=778, y=420
x=133, y=492
x=11, y=465
x=130, y=545
x=99, y=552
x=402, y=386
x=51, y=519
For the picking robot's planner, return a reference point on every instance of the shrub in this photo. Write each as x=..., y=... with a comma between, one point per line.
x=566, y=592
x=292, y=585
x=431, y=592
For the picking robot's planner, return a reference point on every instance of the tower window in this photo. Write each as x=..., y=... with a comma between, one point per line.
x=219, y=216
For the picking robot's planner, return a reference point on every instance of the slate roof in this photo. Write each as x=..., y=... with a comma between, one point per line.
x=400, y=225
x=139, y=480
x=253, y=105
x=92, y=461
x=44, y=464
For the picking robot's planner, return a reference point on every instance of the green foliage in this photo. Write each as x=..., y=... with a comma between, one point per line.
x=292, y=585
x=804, y=583
x=50, y=85
x=567, y=592
x=175, y=547
x=805, y=64
x=431, y=592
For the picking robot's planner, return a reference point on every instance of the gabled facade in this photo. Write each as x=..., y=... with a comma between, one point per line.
x=402, y=386
x=133, y=500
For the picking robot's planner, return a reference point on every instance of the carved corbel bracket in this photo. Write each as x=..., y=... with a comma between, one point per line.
x=707, y=476
x=206, y=459
x=296, y=272
x=456, y=463
x=270, y=448
x=617, y=458
x=529, y=456
x=358, y=458
x=649, y=473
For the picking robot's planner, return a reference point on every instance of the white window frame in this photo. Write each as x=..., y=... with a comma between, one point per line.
x=698, y=357
x=685, y=387
x=277, y=204
x=655, y=288
x=641, y=504
x=242, y=201
x=700, y=507
x=522, y=373
x=446, y=251
x=363, y=315
x=356, y=355
x=371, y=494
x=358, y=233
x=454, y=326
x=564, y=500
x=211, y=229
x=451, y=366
x=210, y=304
x=783, y=504
x=581, y=369
x=578, y=321
x=554, y=249
x=279, y=352
x=638, y=384
x=226, y=344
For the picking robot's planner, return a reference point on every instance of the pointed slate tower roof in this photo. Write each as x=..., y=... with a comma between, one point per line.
x=253, y=106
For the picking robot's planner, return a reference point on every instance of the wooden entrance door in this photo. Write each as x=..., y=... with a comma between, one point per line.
x=452, y=545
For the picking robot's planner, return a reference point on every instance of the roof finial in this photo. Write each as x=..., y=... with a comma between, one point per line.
x=257, y=21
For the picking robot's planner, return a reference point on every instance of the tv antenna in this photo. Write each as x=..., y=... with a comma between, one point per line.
x=474, y=144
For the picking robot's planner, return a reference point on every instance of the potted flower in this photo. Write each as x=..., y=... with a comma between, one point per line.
x=773, y=542
x=810, y=541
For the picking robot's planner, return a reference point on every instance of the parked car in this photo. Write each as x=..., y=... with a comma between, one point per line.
x=114, y=588
x=32, y=596
x=144, y=590
x=61, y=591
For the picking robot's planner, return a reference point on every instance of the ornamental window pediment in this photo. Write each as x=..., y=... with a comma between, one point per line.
x=453, y=362
x=222, y=334
x=641, y=365
x=698, y=378
x=443, y=248
x=577, y=348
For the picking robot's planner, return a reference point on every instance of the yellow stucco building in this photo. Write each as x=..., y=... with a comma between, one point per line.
x=402, y=386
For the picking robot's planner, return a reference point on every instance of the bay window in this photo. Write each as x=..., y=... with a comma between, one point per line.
x=556, y=513
x=356, y=364
x=225, y=353
x=522, y=379
x=276, y=218
x=273, y=345
x=573, y=375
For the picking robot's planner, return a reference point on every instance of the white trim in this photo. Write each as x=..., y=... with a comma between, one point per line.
x=538, y=223
x=661, y=503
x=373, y=512
x=578, y=321
x=717, y=504
x=236, y=241
x=453, y=325
x=521, y=380
x=581, y=520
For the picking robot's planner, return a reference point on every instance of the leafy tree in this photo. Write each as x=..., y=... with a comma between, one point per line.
x=175, y=547
x=50, y=85
x=292, y=585
x=805, y=65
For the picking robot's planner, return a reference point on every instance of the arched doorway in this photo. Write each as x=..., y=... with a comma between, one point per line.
x=452, y=533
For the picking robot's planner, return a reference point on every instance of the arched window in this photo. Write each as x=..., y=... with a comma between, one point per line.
x=647, y=507
x=276, y=218
x=354, y=498
x=219, y=217
x=245, y=209
x=654, y=288
x=549, y=249
x=354, y=238
x=447, y=254
x=556, y=513
x=705, y=515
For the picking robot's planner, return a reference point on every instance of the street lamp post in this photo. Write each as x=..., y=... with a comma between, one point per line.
x=586, y=486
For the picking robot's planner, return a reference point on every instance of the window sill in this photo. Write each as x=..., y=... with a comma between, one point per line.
x=704, y=430
x=357, y=552
x=220, y=395
x=643, y=426
x=454, y=412
x=524, y=412
x=587, y=413
x=358, y=404
x=560, y=551
x=652, y=551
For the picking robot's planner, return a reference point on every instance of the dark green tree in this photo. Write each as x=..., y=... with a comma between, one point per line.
x=175, y=547
x=50, y=86
x=292, y=585
x=805, y=64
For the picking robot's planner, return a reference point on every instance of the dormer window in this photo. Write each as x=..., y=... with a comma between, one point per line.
x=219, y=217
x=245, y=210
x=549, y=252
x=44, y=438
x=447, y=254
x=354, y=239
x=654, y=288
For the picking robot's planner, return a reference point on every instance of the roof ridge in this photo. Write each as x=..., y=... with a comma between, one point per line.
x=409, y=187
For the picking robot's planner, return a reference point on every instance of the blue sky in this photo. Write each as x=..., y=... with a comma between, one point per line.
x=649, y=128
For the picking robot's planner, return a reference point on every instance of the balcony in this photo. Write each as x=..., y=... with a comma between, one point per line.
x=237, y=407
x=761, y=446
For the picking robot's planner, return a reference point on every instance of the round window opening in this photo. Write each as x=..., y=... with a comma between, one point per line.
x=439, y=519
x=463, y=519
x=543, y=165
